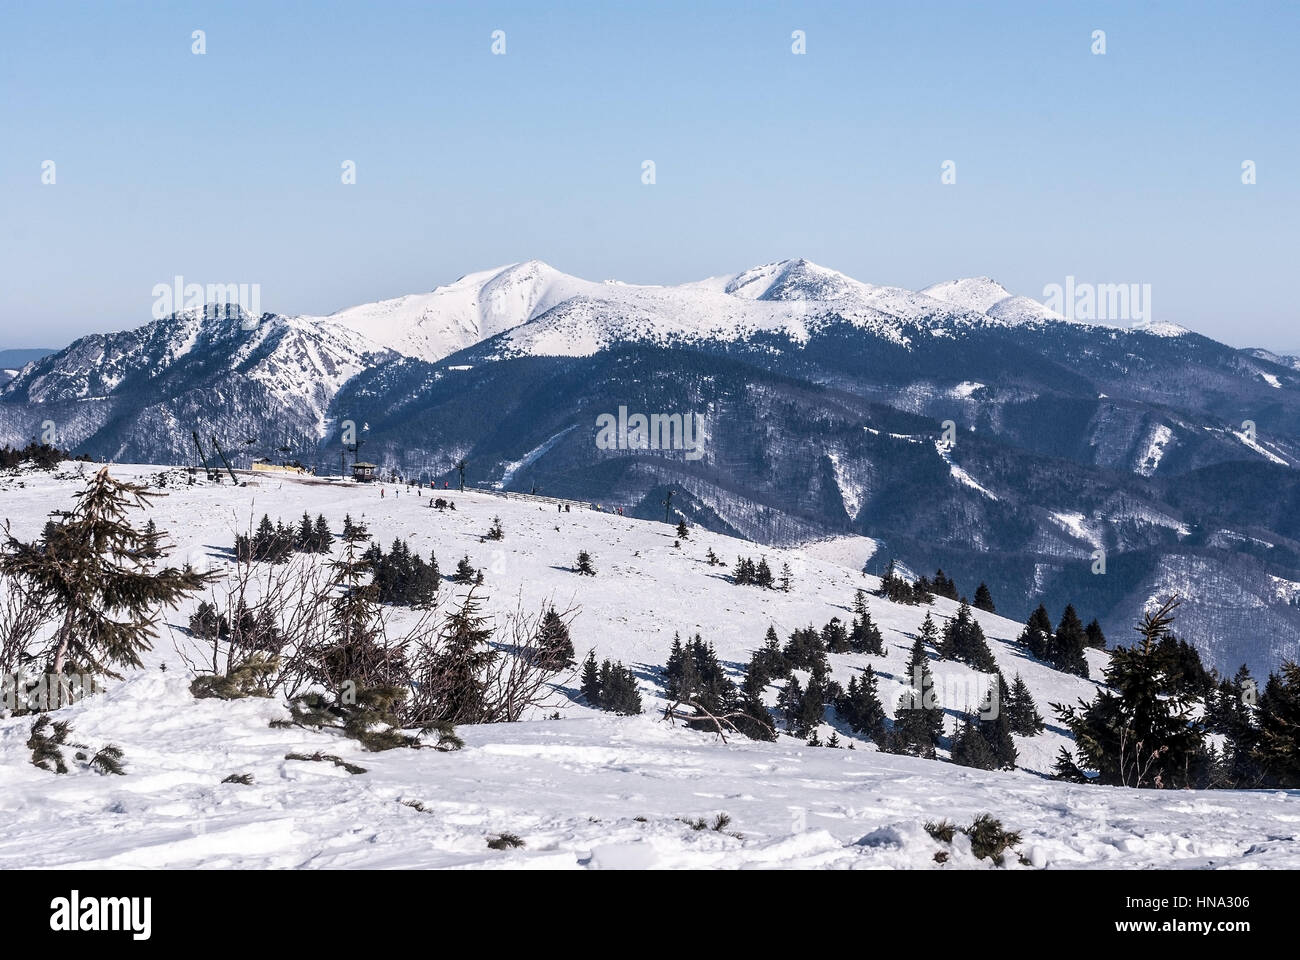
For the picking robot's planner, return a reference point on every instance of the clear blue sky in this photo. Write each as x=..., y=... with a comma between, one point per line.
x=226, y=167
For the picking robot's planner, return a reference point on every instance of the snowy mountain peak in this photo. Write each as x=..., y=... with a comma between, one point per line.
x=985, y=295
x=791, y=280
x=545, y=311
x=1159, y=328
x=459, y=314
x=970, y=293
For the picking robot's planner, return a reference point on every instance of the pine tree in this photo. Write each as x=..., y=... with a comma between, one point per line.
x=712, y=558
x=913, y=729
x=355, y=653
x=435, y=576
x=423, y=590
x=867, y=710
x=465, y=571
x=694, y=675
x=553, y=642
x=763, y=574
x=918, y=718
x=984, y=599
x=495, y=532
x=1184, y=665
x=943, y=586
x=1022, y=711
x=1068, y=644
x=835, y=637
x=715, y=692
x=682, y=532
x=591, y=680
x=994, y=724
x=970, y=748
x=151, y=549
x=753, y=718
x=1278, y=749
x=243, y=627
x=282, y=543
x=963, y=640
x=94, y=572
x=680, y=675
x=584, y=566
x=805, y=650
x=207, y=624
x=453, y=673
x=1036, y=638
x=321, y=536
x=1140, y=730
x=896, y=589
x=264, y=539
x=846, y=703
x=790, y=703
x=1066, y=769
x=1229, y=711
x=1096, y=639
x=768, y=662
x=303, y=540
x=786, y=579
x=618, y=692
x=812, y=708
x=865, y=637
x=929, y=633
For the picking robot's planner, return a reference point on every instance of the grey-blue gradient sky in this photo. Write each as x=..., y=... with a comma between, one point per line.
x=225, y=167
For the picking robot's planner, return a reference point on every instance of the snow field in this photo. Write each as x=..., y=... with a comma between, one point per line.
x=589, y=789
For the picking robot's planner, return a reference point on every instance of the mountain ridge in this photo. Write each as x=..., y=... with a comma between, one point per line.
x=825, y=402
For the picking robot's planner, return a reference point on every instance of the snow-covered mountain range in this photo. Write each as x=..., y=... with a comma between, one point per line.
x=548, y=313
x=828, y=405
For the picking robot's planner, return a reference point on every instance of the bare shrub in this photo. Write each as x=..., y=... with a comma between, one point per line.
x=304, y=626
x=471, y=669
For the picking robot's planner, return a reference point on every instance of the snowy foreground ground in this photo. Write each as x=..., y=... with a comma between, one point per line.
x=589, y=789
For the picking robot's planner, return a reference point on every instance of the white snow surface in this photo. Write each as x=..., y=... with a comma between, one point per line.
x=588, y=790
x=985, y=295
x=1159, y=328
x=1076, y=525
x=1157, y=445
x=960, y=475
x=1258, y=447
x=545, y=312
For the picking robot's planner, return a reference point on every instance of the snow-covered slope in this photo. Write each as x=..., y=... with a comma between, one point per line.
x=972, y=293
x=587, y=789
x=458, y=315
x=987, y=296
x=1282, y=359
